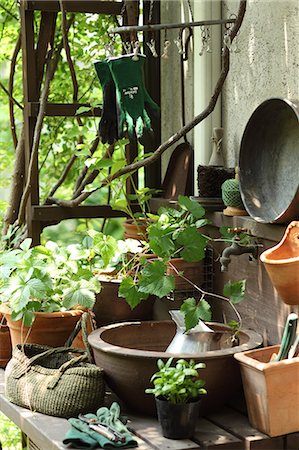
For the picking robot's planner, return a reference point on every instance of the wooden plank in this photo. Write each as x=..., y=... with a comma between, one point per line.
x=62, y=109
x=238, y=425
x=48, y=213
x=292, y=441
x=86, y=6
x=209, y=436
x=148, y=429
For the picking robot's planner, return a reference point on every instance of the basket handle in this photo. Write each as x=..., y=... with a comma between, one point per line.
x=18, y=373
x=81, y=325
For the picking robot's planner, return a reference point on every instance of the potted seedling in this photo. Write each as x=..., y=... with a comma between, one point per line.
x=177, y=390
x=40, y=284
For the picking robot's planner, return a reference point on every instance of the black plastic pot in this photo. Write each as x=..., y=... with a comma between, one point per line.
x=177, y=421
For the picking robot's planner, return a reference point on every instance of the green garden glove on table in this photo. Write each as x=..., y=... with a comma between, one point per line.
x=108, y=126
x=81, y=434
x=132, y=97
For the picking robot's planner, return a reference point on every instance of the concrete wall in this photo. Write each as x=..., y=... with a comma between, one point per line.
x=266, y=66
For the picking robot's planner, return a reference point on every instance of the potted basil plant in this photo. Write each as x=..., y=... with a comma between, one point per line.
x=177, y=390
x=43, y=283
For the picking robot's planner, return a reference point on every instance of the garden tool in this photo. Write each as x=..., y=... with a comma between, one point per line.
x=108, y=126
x=133, y=99
x=288, y=338
x=105, y=429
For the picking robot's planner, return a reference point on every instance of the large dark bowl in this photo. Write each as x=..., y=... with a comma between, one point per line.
x=269, y=165
x=128, y=353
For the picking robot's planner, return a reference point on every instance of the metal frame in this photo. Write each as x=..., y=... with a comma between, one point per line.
x=37, y=216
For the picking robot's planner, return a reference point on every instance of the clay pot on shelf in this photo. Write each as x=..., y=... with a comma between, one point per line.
x=5, y=342
x=109, y=308
x=52, y=329
x=193, y=271
x=135, y=229
x=282, y=265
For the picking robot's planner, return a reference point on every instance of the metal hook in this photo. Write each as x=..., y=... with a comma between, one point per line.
x=186, y=42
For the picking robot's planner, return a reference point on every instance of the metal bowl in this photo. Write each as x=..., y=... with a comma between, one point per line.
x=269, y=167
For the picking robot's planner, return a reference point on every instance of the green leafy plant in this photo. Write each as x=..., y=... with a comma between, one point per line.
x=45, y=279
x=142, y=266
x=177, y=384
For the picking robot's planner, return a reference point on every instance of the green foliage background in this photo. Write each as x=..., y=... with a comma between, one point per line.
x=59, y=141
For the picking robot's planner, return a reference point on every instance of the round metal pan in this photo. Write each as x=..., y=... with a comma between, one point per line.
x=269, y=162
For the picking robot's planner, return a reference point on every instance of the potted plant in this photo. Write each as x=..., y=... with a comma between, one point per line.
x=43, y=283
x=111, y=261
x=177, y=390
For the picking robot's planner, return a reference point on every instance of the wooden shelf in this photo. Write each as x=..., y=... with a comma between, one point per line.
x=47, y=213
x=272, y=232
x=88, y=6
x=62, y=109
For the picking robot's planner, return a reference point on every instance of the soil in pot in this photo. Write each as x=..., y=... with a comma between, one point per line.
x=178, y=421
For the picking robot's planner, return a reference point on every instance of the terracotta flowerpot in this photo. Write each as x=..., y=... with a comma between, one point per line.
x=135, y=229
x=271, y=391
x=193, y=271
x=5, y=342
x=109, y=308
x=282, y=265
x=51, y=329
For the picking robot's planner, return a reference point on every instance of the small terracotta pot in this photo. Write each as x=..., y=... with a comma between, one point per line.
x=282, y=265
x=193, y=271
x=5, y=342
x=135, y=229
x=51, y=329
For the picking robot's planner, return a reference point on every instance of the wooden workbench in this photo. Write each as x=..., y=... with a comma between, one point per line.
x=227, y=429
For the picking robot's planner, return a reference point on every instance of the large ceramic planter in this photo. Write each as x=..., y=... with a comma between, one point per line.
x=128, y=353
x=5, y=342
x=177, y=421
x=271, y=391
x=282, y=265
x=109, y=308
x=51, y=329
x=193, y=271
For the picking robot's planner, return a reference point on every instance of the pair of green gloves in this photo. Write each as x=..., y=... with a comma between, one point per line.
x=126, y=102
x=81, y=436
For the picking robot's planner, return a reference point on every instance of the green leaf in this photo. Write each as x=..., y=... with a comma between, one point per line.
x=28, y=318
x=81, y=296
x=235, y=291
x=82, y=110
x=194, y=311
x=103, y=163
x=153, y=279
x=130, y=292
x=192, y=206
x=26, y=244
x=194, y=244
x=160, y=241
x=106, y=246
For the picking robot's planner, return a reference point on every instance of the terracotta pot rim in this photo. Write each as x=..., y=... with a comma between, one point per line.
x=6, y=311
x=96, y=341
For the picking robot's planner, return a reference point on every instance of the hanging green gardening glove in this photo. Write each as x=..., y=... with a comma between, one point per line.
x=132, y=98
x=108, y=126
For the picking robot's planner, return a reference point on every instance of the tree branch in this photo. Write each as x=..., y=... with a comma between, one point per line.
x=10, y=96
x=10, y=90
x=84, y=171
x=130, y=168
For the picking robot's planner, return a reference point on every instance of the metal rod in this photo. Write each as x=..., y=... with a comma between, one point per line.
x=167, y=26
